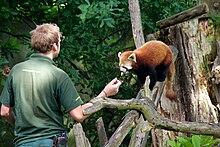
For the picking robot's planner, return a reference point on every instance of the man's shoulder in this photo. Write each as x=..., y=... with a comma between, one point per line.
x=61, y=73
x=20, y=64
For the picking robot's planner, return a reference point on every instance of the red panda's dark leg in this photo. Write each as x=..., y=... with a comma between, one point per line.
x=169, y=82
x=153, y=79
x=162, y=71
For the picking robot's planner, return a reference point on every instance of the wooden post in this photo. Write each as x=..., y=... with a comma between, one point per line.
x=81, y=140
x=127, y=124
x=103, y=139
x=135, y=15
x=138, y=137
x=183, y=16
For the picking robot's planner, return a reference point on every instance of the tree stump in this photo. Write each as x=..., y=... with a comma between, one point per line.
x=194, y=41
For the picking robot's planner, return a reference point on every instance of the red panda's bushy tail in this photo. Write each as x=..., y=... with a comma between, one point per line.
x=169, y=82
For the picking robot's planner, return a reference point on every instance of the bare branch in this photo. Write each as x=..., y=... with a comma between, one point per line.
x=81, y=140
x=124, y=128
x=147, y=107
x=183, y=16
x=101, y=132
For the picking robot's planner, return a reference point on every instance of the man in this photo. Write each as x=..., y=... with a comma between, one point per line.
x=37, y=89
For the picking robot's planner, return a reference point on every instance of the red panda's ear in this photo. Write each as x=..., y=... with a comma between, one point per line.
x=132, y=57
x=119, y=54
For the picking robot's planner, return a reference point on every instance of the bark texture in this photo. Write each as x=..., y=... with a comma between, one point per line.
x=148, y=109
x=80, y=138
x=135, y=15
x=194, y=41
x=183, y=16
x=101, y=132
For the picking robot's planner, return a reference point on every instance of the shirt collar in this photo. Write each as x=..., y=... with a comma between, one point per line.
x=38, y=56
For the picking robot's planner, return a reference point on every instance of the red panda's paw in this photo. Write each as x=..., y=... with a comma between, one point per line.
x=171, y=95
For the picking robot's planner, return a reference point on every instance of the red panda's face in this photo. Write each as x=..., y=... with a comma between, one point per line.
x=127, y=61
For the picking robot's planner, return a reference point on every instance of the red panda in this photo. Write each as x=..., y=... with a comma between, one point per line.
x=153, y=59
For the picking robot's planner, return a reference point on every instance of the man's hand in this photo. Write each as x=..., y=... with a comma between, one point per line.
x=8, y=114
x=112, y=88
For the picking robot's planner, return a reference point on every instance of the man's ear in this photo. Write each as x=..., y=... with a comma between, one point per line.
x=132, y=57
x=54, y=47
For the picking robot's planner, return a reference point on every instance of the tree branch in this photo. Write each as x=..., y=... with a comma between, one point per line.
x=183, y=16
x=147, y=107
x=101, y=132
x=16, y=35
x=124, y=128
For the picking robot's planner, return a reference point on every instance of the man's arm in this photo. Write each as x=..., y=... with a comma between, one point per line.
x=8, y=114
x=110, y=89
x=77, y=113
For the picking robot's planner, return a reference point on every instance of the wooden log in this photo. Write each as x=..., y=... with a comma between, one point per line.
x=81, y=140
x=147, y=107
x=183, y=16
x=128, y=123
x=101, y=132
x=135, y=15
x=139, y=137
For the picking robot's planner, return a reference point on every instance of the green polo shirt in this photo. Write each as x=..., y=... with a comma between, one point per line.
x=37, y=89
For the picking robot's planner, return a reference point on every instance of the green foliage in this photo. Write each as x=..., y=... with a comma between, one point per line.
x=215, y=18
x=153, y=11
x=102, y=12
x=194, y=141
x=6, y=134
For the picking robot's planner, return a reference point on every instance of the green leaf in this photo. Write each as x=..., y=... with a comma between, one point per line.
x=109, y=22
x=171, y=143
x=2, y=132
x=189, y=139
x=87, y=2
x=196, y=141
x=181, y=139
x=212, y=142
x=101, y=24
x=205, y=139
x=186, y=144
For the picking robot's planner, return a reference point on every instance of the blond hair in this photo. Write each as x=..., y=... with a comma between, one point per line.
x=44, y=36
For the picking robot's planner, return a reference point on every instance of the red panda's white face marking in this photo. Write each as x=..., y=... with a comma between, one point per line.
x=125, y=61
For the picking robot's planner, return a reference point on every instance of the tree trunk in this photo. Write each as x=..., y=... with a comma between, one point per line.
x=135, y=15
x=138, y=137
x=194, y=40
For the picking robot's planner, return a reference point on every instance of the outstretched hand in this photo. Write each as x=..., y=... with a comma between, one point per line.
x=112, y=87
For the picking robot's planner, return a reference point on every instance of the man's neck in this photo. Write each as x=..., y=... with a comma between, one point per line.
x=48, y=54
